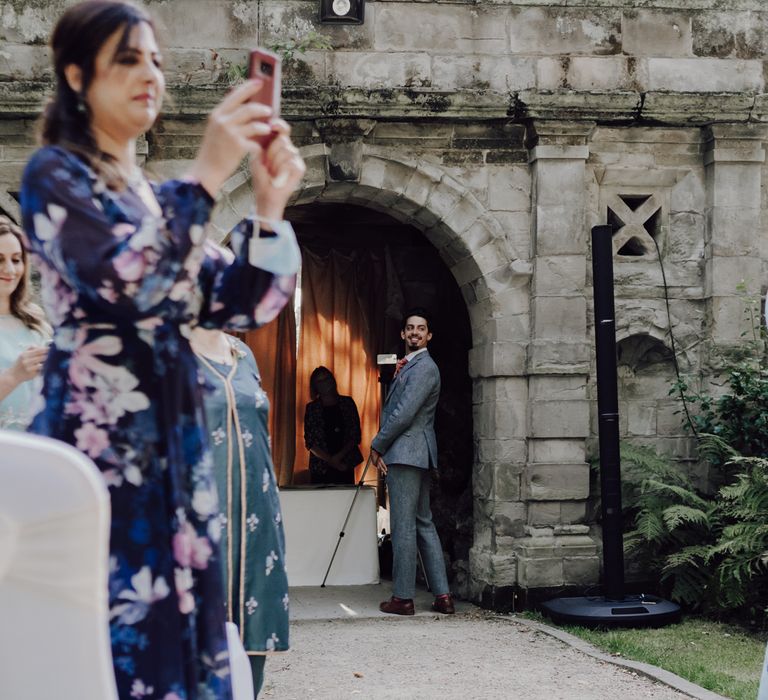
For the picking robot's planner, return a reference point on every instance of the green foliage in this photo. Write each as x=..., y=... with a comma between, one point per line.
x=311, y=41
x=287, y=49
x=711, y=550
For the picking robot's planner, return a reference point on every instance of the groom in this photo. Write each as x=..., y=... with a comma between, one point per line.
x=405, y=449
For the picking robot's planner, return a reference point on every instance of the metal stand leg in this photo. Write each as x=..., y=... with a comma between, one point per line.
x=346, y=520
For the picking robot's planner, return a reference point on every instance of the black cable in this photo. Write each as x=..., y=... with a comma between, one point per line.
x=672, y=344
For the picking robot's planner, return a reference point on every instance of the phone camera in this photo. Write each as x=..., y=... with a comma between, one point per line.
x=266, y=68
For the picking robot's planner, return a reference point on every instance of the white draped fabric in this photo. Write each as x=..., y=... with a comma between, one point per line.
x=54, y=532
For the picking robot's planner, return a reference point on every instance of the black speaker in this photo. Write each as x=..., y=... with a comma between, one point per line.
x=342, y=11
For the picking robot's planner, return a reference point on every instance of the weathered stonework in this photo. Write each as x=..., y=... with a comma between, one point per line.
x=503, y=130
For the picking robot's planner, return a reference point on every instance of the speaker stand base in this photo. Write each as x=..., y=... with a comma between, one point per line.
x=597, y=611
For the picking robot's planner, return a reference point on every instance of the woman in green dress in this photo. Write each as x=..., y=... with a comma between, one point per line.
x=23, y=333
x=252, y=542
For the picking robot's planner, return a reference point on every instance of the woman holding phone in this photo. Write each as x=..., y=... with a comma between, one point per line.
x=126, y=273
x=23, y=332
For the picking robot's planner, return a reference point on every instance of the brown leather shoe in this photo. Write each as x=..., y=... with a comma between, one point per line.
x=444, y=604
x=397, y=606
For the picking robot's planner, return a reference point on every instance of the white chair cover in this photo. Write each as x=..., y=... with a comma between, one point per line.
x=54, y=537
x=242, y=680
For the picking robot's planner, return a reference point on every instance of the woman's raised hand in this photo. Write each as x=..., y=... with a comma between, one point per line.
x=276, y=172
x=229, y=136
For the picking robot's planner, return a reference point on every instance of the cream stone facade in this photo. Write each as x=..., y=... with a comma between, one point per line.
x=504, y=130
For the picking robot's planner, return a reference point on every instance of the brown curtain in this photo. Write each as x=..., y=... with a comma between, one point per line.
x=335, y=333
x=274, y=347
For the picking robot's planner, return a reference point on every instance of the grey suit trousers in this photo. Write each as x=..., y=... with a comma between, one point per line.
x=410, y=520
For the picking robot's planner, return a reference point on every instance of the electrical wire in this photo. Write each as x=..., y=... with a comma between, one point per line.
x=672, y=344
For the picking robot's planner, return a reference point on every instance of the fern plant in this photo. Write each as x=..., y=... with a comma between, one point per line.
x=669, y=524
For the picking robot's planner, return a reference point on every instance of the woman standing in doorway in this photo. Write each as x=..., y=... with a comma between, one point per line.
x=125, y=273
x=331, y=431
x=253, y=542
x=23, y=332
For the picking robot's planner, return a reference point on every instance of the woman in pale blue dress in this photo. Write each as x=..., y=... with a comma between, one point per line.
x=23, y=333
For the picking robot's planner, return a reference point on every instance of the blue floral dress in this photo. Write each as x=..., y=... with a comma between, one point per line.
x=252, y=541
x=121, y=284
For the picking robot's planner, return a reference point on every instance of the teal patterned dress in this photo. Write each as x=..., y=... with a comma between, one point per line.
x=252, y=539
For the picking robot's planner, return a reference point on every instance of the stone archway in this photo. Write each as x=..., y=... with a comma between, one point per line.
x=494, y=284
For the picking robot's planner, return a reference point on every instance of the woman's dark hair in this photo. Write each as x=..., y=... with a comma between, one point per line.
x=416, y=311
x=76, y=40
x=31, y=315
x=315, y=376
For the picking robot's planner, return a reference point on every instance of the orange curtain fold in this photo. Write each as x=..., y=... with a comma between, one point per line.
x=335, y=333
x=274, y=347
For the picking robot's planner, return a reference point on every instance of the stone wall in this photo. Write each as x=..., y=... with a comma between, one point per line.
x=503, y=130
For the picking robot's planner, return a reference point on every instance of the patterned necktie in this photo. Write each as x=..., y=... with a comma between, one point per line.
x=400, y=364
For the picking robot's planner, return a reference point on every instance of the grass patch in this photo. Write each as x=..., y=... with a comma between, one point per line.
x=720, y=657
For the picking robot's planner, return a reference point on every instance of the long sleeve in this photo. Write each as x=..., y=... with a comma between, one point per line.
x=415, y=392
x=252, y=290
x=79, y=229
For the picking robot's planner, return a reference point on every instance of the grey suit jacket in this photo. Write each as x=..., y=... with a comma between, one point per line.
x=407, y=434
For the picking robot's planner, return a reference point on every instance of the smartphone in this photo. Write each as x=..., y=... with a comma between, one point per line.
x=266, y=66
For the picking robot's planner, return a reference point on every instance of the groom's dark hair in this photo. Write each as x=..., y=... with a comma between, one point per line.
x=416, y=311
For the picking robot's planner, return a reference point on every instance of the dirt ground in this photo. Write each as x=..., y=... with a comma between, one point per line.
x=468, y=656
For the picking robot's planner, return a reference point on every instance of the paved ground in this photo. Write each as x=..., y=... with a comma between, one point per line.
x=343, y=647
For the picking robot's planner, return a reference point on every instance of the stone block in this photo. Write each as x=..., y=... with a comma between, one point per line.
x=466, y=213
x=509, y=519
x=454, y=29
x=724, y=275
x=581, y=571
x=559, y=275
x=559, y=419
x=506, y=483
x=549, y=388
x=559, y=230
x=575, y=545
x=368, y=70
x=508, y=418
x=517, y=232
x=729, y=322
x=556, y=482
x=559, y=182
x=502, y=74
x=509, y=328
x=723, y=34
x=641, y=417
x=498, y=359
x=204, y=24
x=540, y=573
x=562, y=31
x=556, y=450
x=598, y=73
x=670, y=417
x=501, y=450
x=559, y=317
x=733, y=185
x=544, y=513
x=509, y=188
x=656, y=33
x=573, y=512
x=705, y=75
x=550, y=73
x=560, y=357
x=686, y=237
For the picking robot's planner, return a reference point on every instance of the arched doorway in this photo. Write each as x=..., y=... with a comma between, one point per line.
x=388, y=266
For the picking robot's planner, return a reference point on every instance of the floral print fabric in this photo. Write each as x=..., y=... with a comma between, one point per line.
x=253, y=542
x=121, y=284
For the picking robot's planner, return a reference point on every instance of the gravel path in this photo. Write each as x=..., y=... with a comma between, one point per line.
x=469, y=656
